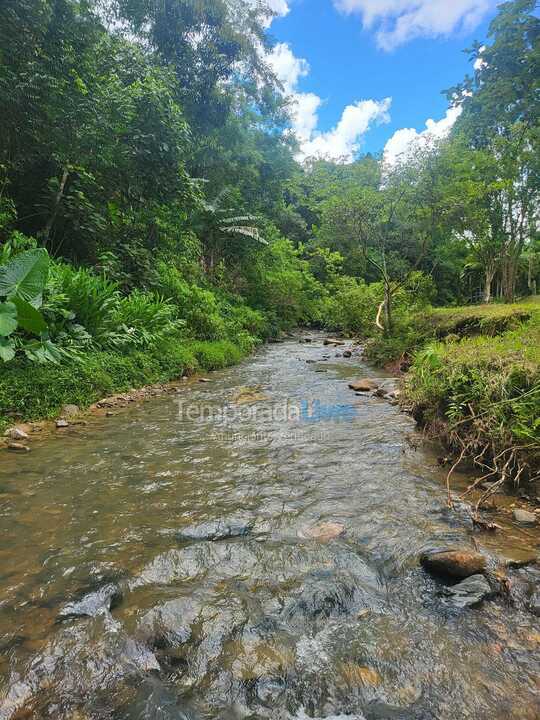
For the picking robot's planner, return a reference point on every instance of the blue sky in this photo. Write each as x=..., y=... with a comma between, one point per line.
x=399, y=55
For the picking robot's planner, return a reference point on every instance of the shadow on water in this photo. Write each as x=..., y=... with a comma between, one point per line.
x=247, y=549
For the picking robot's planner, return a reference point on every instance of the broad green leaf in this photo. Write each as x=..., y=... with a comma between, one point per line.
x=7, y=349
x=29, y=318
x=25, y=276
x=8, y=318
x=43, y=351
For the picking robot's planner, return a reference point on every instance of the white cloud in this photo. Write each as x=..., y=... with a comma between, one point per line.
x=288, y=68
x=398, y=21
x=343, y=141
x=405, y=140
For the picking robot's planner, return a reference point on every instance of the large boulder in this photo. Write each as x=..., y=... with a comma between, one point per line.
x=455, y=563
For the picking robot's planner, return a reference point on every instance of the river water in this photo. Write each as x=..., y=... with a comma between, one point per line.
x=167, y=563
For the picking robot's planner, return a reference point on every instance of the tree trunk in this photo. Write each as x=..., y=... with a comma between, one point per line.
x=508, y=278
x=56, y=206
x=489, y=275
x=388, y=321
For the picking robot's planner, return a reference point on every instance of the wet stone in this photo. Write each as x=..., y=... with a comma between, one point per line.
x=168, y=626
x=468, y=592
x=18, y=447
x=93, y=604
x=16, y=433
x=457, y=563
x=364, y=385
x=217, y=529
x=324, y=531
x=533, y=603
x=524, y=517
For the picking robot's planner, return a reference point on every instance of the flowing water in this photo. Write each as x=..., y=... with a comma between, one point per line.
x=167, y=563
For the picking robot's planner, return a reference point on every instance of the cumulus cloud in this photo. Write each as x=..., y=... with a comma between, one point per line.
x=279, y=7
x=343, y=141
x=407, y=139
x=397, y=21
x=288, y=68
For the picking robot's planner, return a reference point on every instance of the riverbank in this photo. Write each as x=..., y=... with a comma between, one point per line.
x=474, y=383
x=30, y=392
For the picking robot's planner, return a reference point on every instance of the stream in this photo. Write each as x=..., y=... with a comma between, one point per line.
x=247, y=548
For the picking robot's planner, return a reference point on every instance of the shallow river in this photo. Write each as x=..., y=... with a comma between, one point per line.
x=167, y=563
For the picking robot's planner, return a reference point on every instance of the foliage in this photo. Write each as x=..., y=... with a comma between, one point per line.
x=22, y=281
x=482, y=394
x=40, y=392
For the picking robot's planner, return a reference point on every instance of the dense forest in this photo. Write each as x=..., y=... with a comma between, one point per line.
x=154, y=214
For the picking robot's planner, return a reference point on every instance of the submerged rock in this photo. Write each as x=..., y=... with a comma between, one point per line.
x=324, y=531
x=468, y=592
x=93, y=603
x=524, y=517
x=364, y=385
x=18, y=447
x=221, y=529
x=533, y=603
x=168, y=626
x=347, y=353
x=457, y=563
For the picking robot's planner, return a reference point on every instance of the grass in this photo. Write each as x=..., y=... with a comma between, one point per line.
x=36, y=392
x=480, y=392
x=451, y=324
x=468, y=320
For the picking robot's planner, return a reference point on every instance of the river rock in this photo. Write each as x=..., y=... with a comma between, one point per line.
x=18, y=447
x=62, y=423
x=468, y=592
x=347, y=353
x=204, y=380
x=333, y=341
x=524, y=517
x=92, y=604
x=324, y=531
x=221, y=529
x=533, y=603
x=69, y=411
x=16, y=433
x=364, y=385
x=457, y=563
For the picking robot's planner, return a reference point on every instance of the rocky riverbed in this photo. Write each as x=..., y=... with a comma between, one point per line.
x=271, y=544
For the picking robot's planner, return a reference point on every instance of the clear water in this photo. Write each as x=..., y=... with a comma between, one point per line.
x=271, y=624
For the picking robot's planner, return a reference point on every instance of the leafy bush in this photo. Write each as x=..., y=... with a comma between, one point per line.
x=90, y=298
x=141, y=320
